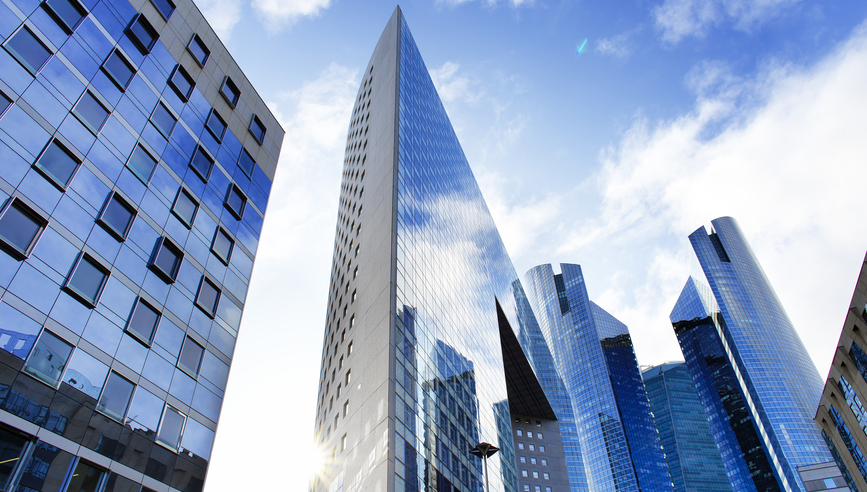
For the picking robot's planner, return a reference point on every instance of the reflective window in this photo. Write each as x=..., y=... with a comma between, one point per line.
x=28, y=50
x=216, y=125
x=57, y=164
x=142, y=34
x=91, y=112
x=185, y=207
x=235, y=201
x=165, y=7
x=118, y=69
x=141, y=164
x=202, y=164
x=198, y=49
x=5, y=102
x=86, y=281
x=85, y=478
x=546, y=476
x=230, y=91
x=535, y=474
x=519, y=432
x=530, y=434
x=143, y=321
x=48, y=358
x=166, y=260
x=20, y=228
x=222, y=245
x=208, y=297
x=523, y=459
x=523, y=473
x=246, y=162
x=191, y=357
x=257, y=129
x=67, y=13
x=544, y=462
x=12, y=448
x=171, y=428
x=116, y=216
x=163, y=119
x=115, y=396
x=181, y=82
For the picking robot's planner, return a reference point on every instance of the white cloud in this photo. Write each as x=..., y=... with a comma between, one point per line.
x=619, y=46
x=278, y=14
x=453, y=87
x=222, y=15
x=489, y=3
x=682, y=18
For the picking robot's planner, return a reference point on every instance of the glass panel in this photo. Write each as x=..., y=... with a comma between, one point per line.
x=163, y=120
x=231, y=91
x=216, y=125
x=258, y=130
x=115, y=397
x=87, y=280
x=185, y=207
x=5, y=102
x=28, y=50
x=19, y=227
x=167, y=259
x=85, y=478
x=166, y=7
x=68, y=12
x=46, y=470
x=48, y=358
x=235, y=201
x=182, y=82
x=117, y=216
x=202, y=164
x=141, y=164
x=120, y=70
x=222, y=246
x=208, y=297
x=171, y=428
x=198, y=49
x=12, y=447
x=143, y=33
x=246, y=162
x=91, y=112
x=85, y=374
x=57, y=164
x=143, y=321
x=191, y=356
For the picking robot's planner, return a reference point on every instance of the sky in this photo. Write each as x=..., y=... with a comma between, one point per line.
x=601, y=133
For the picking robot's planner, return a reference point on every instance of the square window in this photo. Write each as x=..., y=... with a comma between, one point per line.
x=222, y=245
x=165, y=7
x=216, y=125
x=91, y=112
x=115, y=396
x=235, y=201
x=116, y=216
x=87, y=280
x=532, y=461
x=20, y=228
x=171, y=428
x=230, y=91
x=143, y=321
x=181, y=82
x=163, y=120
x=198, y=49
x=185, y=207
x=519, y=432
x=119, y=70
x=142, y=34
x=67, y=13
x=246, y=163
x=532, y=447
x=191, y=357
x=523, y=459
x=141, y=164
x=28, y=50
x=166, y=260
x=48, y=358
x=257, y=129
x=208, y=297
x=57, y=164
x=202, y=163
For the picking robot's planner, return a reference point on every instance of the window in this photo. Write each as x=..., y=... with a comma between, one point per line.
x=20, y=228
x=118, y=69
x=116, y=216
x=246, y=163
x=230, y=91
x=538, y=423
x=523, y=459
x=48, y=358
x=519, y=432
x=171, y=428
x=339, y=387
x=222, y=245
x=348, y=377
x=546, y=476
x=86, y=477
x=142, y=34
x=535, y=474
x=547, y=489
x=532, y=447
x=544, y=462
x=191, y=357
x=216, y=125
x=66, y=13
x=526, y=488
x=257, y=129
x=352, y=321
x=541, y=449
x=166, y=260
x=14, y=447
x=202, y=163
x=538, y=435
x=143, y=321
x=115, y=396
x=181, y=82
x=537, y=488
x=208, y=297
x=343, y=443
x=185, y=207
x=235, y=201
x=523, y=473
x=340, y=363
x=354, y=293
x=530, y=434
x=57, y=164
x=198, y=49
x=91, y=112
x=141, y=164
x=163, y=120
x=345, y=408
x=532, y=461
x=87, y=280
x=165, y=7
x=349, y=349
x=28, y=50
x=520, y=445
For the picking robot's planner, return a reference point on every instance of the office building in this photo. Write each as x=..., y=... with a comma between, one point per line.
x=136, y=162
x=756, y=381
x=593, y=353
x=692, y=456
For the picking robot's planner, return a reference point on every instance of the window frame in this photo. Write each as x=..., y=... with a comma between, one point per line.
x=83, y=119
x=216, y=306
x=20, y=58
x=102, y=395
x=163, y=14
x=201, y=44
x=255, y=119
x=159, y=440
x=148, y=28
x=238, y=214
x=47, y=174
x=228, y=82
x=165, y=242
x=189, y=370
x=207, y=174
x=154, y=122
x=29, y=212
x=132, y=331
x=100, y=219
x=180, y=70
x=249, y=173
x=135, y=173
x=222, y=134
x=73, y=291
x=111, y=76
x=56, y=17
x=32, y=354
x=195, y=211
x=228, y=257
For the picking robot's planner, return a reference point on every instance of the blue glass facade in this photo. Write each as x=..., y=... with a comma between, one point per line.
x=128, y=232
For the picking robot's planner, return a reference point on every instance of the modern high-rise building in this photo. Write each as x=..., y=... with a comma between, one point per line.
x=690, y=451
x=136, y=161
x=756, y=381
x=593, y=353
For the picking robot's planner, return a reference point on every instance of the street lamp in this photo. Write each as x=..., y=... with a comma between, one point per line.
x=485, y=450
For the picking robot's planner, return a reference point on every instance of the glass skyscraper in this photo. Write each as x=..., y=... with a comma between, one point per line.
x=757, y=383
x=136, y=161
x=593, y=353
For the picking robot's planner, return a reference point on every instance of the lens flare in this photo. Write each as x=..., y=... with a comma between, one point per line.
x=581, y=47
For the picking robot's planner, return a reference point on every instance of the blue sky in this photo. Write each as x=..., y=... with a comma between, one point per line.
x=674, y=113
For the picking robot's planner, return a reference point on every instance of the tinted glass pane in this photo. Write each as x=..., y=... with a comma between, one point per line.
x=57, y=163
x=216, y=125
x=171, y=427
x=257, y=129
x=231, y=91
x=85, y=478
x=165, y=7
x=246, y=162
x=235, y=201
x=48, y=358
x=142, y=164
x=163, y=120
x=67, y=11
x=182, y=82
x=222, y=245
x=11, y=449
x=115, y=397
x=191, y=356
x=91, y=112
x=5, y=102
x=185, y=208
x=198, y=49
x=202, y=164
x=208, y=296
x=28, y=50
x=167, y=260
x=18, y=228
x=87, y=280
x=143, y=321
x=143, y=33
x=119, y=69
x=117, y=216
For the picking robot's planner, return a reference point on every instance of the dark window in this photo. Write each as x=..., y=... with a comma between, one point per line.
x=141, y=164
x=86, y=281
x=20, y=228
x=202, y=164
x=142, y=34
x=235, y=201
x=163, y=119
x=57, y=164
x=116, y=216
x=115, y=396
x=143, y=321
x=185, y=207
x=222, y=246
x=86, y=478
x=171, y=427
x=216, y=125
x=12, y=448
x=257, y=129
x=91, y=112
x=118, y=69
x=67, y=13
x=5, y=102
x=199, y=50
x=191, y=357
x=166, y=260
x=208, y=297
x=246, y=162
x=181, y=82
x=165, y=7
x=48, y=358
x=28, y=50
x=230, y=91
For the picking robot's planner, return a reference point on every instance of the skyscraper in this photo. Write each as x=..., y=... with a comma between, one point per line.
x=757, y=383
x=692, y=456
x=136, y=162
x=593, y=354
